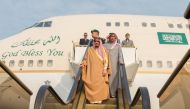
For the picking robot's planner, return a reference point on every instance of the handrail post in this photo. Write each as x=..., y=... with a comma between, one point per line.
x=141, y=92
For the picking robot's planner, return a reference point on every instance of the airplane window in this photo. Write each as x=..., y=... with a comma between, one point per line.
x=169, y=64
x=149, y=63
x=179, y=26
x=187, y=26
x=50, y=63
x=21, y=63
x=40, y=63
x=108, y=23
x=159, y=64
x=177, y=63
x=140, y=63
x=117, y=23
x=48, y=24
x=126, y=24
x=11, y=63
x=40, y=24
x=170, y=25
x=144, y=24
x=30, y=63
x=188, y=65
x=3, y=62
x=153, y=24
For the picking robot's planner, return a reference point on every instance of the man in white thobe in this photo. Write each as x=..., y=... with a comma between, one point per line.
x=116, y=58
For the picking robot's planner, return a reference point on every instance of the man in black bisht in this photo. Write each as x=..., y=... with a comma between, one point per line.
x=95, y=33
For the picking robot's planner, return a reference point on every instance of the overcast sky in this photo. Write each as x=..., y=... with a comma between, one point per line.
x=19, y=14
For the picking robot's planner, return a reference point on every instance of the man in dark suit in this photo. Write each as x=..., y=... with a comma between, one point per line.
x=95, y=33
x=84, y=41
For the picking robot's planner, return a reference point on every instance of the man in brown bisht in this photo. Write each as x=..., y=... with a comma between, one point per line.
x=95, y=71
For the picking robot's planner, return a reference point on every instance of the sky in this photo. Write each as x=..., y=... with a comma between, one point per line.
x=16, y=15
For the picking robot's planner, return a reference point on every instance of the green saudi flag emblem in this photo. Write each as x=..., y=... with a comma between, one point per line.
x=172, y=38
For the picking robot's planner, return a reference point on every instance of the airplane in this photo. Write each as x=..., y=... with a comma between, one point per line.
x=48, y=52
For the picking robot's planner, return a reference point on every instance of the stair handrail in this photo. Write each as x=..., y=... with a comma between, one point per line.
x=141, y=91
x=40, y=97
x=14, y=77
x=175, y=72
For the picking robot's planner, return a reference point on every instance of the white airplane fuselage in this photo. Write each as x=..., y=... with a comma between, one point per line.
x=43, y=52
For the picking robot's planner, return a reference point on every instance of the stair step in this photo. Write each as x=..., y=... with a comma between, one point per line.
x=137, y=107
x=100, y=106
x=57, y=106
x=109, y=101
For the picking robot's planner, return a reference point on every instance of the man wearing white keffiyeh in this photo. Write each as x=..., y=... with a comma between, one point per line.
x=116, y=57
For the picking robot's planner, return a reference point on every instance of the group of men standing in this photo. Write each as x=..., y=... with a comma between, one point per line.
x=127, y=42
x=100, y=66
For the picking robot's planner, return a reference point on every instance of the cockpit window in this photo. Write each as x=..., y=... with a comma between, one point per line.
x=40, y=24
x=43, y=24
x=48, y=24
